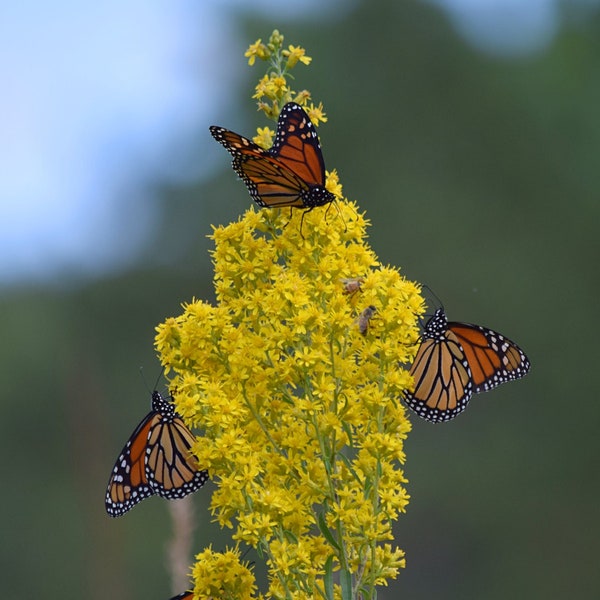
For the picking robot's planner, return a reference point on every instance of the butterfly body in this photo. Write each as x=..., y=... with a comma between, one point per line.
x=156, y=459
x=456, y=360
x=291, y=172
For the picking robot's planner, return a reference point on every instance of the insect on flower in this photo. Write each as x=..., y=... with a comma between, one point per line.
x=364, y=318
x=291, y=172
x=352, y=284
x=456, y=360
x=155, y=460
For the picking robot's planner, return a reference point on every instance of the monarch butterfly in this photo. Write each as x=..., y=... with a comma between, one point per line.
x=291, y=172
x=364, y=318
x=155, y=460
x=457, y=360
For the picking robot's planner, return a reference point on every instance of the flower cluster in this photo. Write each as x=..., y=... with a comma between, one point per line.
x=272, y=90
x=222, y=575
x=296, y=390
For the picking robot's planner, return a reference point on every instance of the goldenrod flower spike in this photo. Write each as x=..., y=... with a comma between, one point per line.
x=272, y=90
x=222, y=575
x=302, y=425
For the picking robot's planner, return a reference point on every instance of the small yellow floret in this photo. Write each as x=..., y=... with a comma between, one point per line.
x=257, y=50
x=295, y=54
x=264, y=137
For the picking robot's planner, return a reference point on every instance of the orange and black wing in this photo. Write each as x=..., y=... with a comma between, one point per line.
x=171, y=468
x=493, y=359
x=456, y=360
x=184, y=596
x=157, y=459
x=128, y=483
x=291, y=172
x=297, y=145
x=441, y=374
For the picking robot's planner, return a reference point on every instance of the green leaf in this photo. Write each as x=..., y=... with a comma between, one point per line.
x=328, y=580
x=327, y=532
x=346, y=584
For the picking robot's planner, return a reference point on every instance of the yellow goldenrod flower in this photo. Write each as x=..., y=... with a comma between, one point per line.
x=300, y=410
x=333, y=184
x=278, y=86
x=316, y=114
x=298, y=405
x=295, y=54
x=302, y=97
x=223, y=576
x=273, y=87
x=264, y=137
x=272, y=90
x=257, y=50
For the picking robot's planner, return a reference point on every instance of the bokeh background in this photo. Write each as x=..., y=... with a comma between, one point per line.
x=470, y=133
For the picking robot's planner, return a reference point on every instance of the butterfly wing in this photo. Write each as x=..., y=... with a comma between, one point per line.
x=297, y=145
x=441, y=374
x=291, y=172
x=456, y=360
x=442, y=379
x=270, y=183
x=128, y=483
x=172, y=470
x=157, y=459
x=243, y=151
x=184, y=596
x=493, y=359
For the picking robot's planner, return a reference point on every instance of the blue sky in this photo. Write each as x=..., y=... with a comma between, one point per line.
x=96, y=95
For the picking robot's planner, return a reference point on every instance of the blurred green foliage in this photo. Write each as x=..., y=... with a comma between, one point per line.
x=480, y=177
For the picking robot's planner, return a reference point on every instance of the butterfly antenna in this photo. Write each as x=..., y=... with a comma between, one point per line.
x=142, y=375
x=155, y=387
x=435, y=296
x=437, y=302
